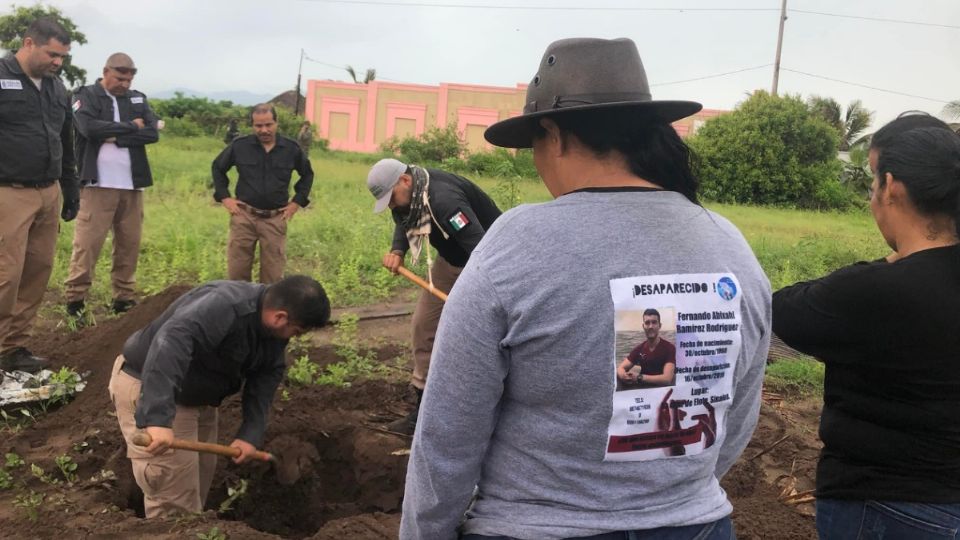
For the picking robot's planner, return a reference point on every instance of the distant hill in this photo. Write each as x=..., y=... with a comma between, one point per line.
x=238, y=97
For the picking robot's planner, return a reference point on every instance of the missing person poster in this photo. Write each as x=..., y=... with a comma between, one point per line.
x=677, y=343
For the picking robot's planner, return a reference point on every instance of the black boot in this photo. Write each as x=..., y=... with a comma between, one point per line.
x=20, y=359
x=76, y=308
x=123, y=306
x=408, y=424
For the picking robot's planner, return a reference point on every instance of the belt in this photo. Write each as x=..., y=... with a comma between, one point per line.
x=128, y=369
x=258, y=212
x=21, y=185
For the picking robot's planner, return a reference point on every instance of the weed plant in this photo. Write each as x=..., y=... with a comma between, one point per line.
x=30, y=503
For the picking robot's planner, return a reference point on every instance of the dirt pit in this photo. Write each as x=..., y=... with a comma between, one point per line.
x=348, y=475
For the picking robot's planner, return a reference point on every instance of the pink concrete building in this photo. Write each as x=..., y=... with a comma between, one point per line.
x=359, y=117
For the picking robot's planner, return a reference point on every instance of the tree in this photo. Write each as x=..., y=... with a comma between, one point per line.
x=856, y=174
x=13, y=26
x=371, y=75
x=952, y=109
x=770, y=150
x=849, y=126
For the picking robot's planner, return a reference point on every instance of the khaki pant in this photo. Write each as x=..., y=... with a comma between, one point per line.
x=426, y=318
x=179, y=480
x=246, y=231
x=29, y=223
x=103, y=210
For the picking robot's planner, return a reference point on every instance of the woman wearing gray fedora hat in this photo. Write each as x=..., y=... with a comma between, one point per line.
x=526, y=434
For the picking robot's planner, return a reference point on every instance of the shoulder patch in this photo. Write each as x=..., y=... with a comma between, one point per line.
x=458, y=220
x=77, y=105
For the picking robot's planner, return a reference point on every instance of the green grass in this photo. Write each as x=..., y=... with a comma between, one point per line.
x=795, y=245
x=795, y=377
x=340, y=241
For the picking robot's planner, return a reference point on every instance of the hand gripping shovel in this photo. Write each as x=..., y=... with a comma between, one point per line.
x=288, y=470
x=142, y=438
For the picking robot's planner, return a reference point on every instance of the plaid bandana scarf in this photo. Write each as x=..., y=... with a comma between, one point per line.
x=418, y=224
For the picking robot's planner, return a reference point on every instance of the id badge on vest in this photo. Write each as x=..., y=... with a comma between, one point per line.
x=677, y=408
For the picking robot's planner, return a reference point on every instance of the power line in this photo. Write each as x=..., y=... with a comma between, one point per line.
x=344, y=68
x=876, y=19
x=537, y=8
x=714, y=76
x=863, y=85
x=711, y=76
x=627, y=8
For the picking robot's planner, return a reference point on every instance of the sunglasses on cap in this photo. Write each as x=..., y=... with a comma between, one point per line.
x=124, y=70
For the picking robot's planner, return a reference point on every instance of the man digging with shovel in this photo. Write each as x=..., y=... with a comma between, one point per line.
x=175, y=372
x=453, y=213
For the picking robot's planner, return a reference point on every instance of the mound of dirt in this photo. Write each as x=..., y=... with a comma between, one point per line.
x=338, y=476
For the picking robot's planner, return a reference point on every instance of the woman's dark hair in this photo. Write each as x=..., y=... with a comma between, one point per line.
x=303, y=299
x=652, y=148
x=923, y=153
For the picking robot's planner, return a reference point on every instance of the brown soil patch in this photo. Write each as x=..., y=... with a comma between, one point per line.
x=349, y=477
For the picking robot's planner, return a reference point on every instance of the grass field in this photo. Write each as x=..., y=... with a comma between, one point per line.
x=340, y=241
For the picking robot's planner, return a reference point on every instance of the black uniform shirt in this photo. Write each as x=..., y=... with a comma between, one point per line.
x=264, y=180
x=463, y=210
x=202, y=349
x=36, y=132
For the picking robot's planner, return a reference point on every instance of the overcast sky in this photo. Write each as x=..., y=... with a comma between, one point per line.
x=217, y=45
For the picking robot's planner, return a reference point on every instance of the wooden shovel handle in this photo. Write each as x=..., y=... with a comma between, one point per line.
x=142, y=438
x=419, y=281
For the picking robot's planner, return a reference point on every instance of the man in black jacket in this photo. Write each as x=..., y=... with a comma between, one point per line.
x=113, y=126
x=36, y=153
x=174, y=373
x=450, y=211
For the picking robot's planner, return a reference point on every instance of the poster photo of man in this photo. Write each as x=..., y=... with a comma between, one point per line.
x=645, y=349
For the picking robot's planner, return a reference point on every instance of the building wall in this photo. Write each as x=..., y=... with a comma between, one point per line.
x=359, y=117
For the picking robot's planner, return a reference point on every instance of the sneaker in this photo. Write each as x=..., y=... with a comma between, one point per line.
x=75, y=309
x=123, y=306
x=20, y=359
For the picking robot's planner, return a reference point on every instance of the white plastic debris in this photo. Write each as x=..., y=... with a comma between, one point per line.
x=23, y=387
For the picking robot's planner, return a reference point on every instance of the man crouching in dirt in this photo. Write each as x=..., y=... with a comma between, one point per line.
x=174, y=373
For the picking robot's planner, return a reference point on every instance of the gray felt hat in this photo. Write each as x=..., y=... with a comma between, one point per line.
x=583, y=74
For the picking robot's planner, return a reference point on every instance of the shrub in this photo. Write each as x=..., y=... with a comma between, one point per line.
x=770, y=150
x=430, y=147
x=191, y=116
x=182, y=127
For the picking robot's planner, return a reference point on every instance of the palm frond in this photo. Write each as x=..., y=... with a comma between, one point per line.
x=952, y=109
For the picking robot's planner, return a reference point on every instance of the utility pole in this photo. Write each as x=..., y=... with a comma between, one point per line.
x=296, y=108
x=776, y=63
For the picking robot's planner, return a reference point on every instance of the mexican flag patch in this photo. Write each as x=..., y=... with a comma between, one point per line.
x=458, y=221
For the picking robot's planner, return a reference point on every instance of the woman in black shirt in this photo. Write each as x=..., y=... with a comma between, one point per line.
x=889, y=334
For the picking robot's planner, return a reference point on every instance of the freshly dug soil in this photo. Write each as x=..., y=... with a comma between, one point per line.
x=339, y=477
